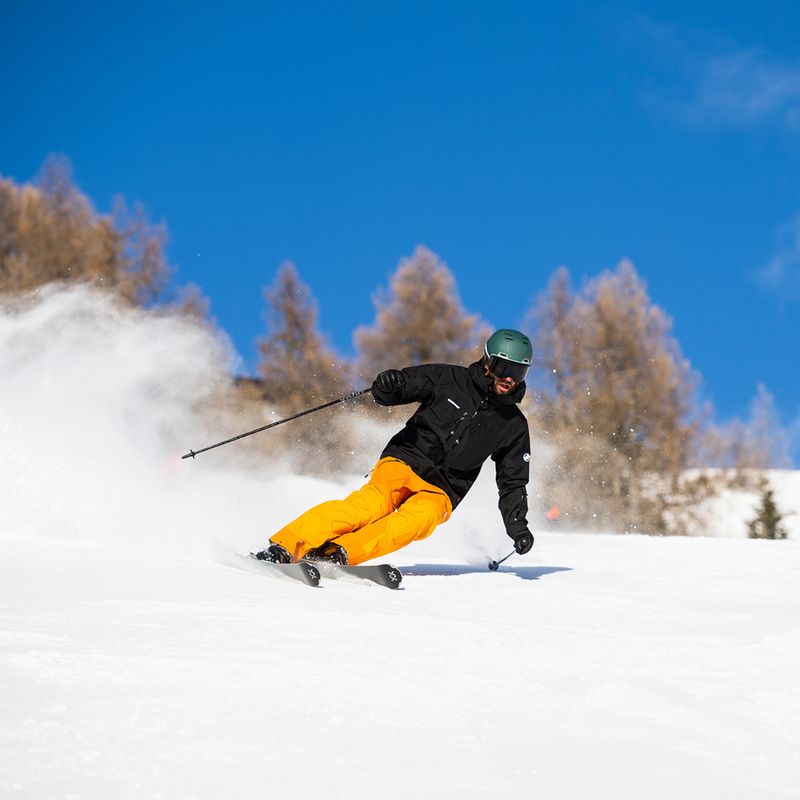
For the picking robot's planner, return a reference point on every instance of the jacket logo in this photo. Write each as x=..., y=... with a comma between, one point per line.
x=526, y=457
x=453, y=402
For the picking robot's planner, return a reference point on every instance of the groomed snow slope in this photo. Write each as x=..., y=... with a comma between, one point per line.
x=135, y=663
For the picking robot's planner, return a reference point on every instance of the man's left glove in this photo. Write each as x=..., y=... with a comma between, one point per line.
x=523, y=542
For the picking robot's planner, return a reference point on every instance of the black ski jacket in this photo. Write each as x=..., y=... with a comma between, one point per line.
x=459, y=424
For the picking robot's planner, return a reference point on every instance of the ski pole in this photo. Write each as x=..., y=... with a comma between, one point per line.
x=193, y=453
x=493, y=565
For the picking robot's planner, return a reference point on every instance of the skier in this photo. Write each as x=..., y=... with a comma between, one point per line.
x=466, y=415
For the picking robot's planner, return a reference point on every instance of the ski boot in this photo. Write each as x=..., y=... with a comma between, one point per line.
x=330, y=551
x=274, y=553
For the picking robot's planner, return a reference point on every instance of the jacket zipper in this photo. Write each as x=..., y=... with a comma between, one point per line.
x=465, y=427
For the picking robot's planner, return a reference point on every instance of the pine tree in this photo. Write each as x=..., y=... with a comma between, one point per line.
x=767, y=522
x=420, y=320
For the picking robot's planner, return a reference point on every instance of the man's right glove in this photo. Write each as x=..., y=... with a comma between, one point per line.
x=388, y=382
x=523, y=542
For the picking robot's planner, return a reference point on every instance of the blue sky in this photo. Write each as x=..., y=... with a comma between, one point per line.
x=509, y=138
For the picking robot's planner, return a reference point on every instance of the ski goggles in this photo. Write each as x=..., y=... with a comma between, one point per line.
x=503, y=368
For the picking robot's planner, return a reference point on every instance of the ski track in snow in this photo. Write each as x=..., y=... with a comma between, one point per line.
x=135, y=662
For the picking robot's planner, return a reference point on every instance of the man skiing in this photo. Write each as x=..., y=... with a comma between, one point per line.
x=466, y=415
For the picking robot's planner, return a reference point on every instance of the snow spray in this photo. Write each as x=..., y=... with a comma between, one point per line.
x=96, y=399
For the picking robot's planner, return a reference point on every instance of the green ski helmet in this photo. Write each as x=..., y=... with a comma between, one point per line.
x=508, y=354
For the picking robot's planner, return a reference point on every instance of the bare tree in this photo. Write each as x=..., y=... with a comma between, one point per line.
x=297, y=367
x=49, y=231
x=617, y=402
x=419, y=320
x=189, y=300
x=748, y=447
x=141, y=267
x=553, y=351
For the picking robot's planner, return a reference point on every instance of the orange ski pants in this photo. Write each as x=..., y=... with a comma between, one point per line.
x=392, y=510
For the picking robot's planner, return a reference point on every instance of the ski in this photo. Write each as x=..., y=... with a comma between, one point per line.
x=299, y=571
x=310, y=572
x=382, y=574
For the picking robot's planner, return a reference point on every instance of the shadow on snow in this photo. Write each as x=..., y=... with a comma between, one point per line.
x=526, y=573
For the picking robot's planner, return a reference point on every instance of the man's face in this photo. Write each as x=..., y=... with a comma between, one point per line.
x=500, y=386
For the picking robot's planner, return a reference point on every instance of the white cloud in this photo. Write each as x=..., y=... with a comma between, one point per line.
x=781, y=274
x=711, y=81
x=746, y=87
x=704, y=80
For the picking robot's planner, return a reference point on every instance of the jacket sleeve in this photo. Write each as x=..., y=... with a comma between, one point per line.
x=513, y=471
x=418, y=386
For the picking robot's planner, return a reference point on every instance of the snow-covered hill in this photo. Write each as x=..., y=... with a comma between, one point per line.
x=135, y=663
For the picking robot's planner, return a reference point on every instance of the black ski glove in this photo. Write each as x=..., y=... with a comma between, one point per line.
x=523, y=542
x=388, y=382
